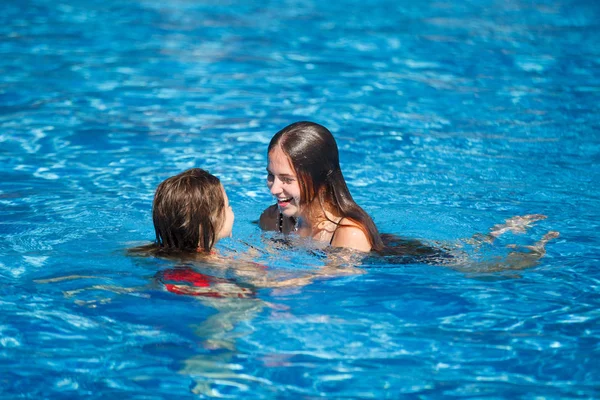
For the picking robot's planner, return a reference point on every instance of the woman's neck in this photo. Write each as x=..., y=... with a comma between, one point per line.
x=320, y=225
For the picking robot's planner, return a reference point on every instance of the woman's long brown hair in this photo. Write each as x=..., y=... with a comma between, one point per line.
x=313, y=153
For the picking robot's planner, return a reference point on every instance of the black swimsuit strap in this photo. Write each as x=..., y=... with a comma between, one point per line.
x=280, y=222
x=334, y=231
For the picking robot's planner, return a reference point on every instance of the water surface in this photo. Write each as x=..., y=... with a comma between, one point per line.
x=450, y=118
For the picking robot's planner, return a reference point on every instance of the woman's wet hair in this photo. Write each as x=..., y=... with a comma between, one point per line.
x=313, y=153
x=188, y=212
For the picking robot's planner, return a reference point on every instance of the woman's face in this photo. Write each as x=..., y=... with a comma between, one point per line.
x=283, y=183
x=228, y=218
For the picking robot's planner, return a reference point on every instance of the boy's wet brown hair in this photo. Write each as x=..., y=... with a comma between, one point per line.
x=188, y=211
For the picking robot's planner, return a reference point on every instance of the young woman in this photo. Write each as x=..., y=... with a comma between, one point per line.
x=305, y=177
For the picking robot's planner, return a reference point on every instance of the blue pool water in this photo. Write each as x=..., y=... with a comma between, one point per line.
x=450, y=116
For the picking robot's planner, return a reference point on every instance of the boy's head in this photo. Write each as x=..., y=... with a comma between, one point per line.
x=191, y=212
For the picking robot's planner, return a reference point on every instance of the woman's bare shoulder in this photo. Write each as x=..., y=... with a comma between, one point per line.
x=349, y=234
x=269, y=218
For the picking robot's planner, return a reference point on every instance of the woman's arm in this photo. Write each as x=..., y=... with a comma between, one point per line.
x=269, y=219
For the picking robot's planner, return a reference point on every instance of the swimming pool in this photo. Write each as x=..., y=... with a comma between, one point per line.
x=450, y=117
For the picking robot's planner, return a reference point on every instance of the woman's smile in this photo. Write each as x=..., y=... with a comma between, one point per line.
x=282, y=203
x=283, y=183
